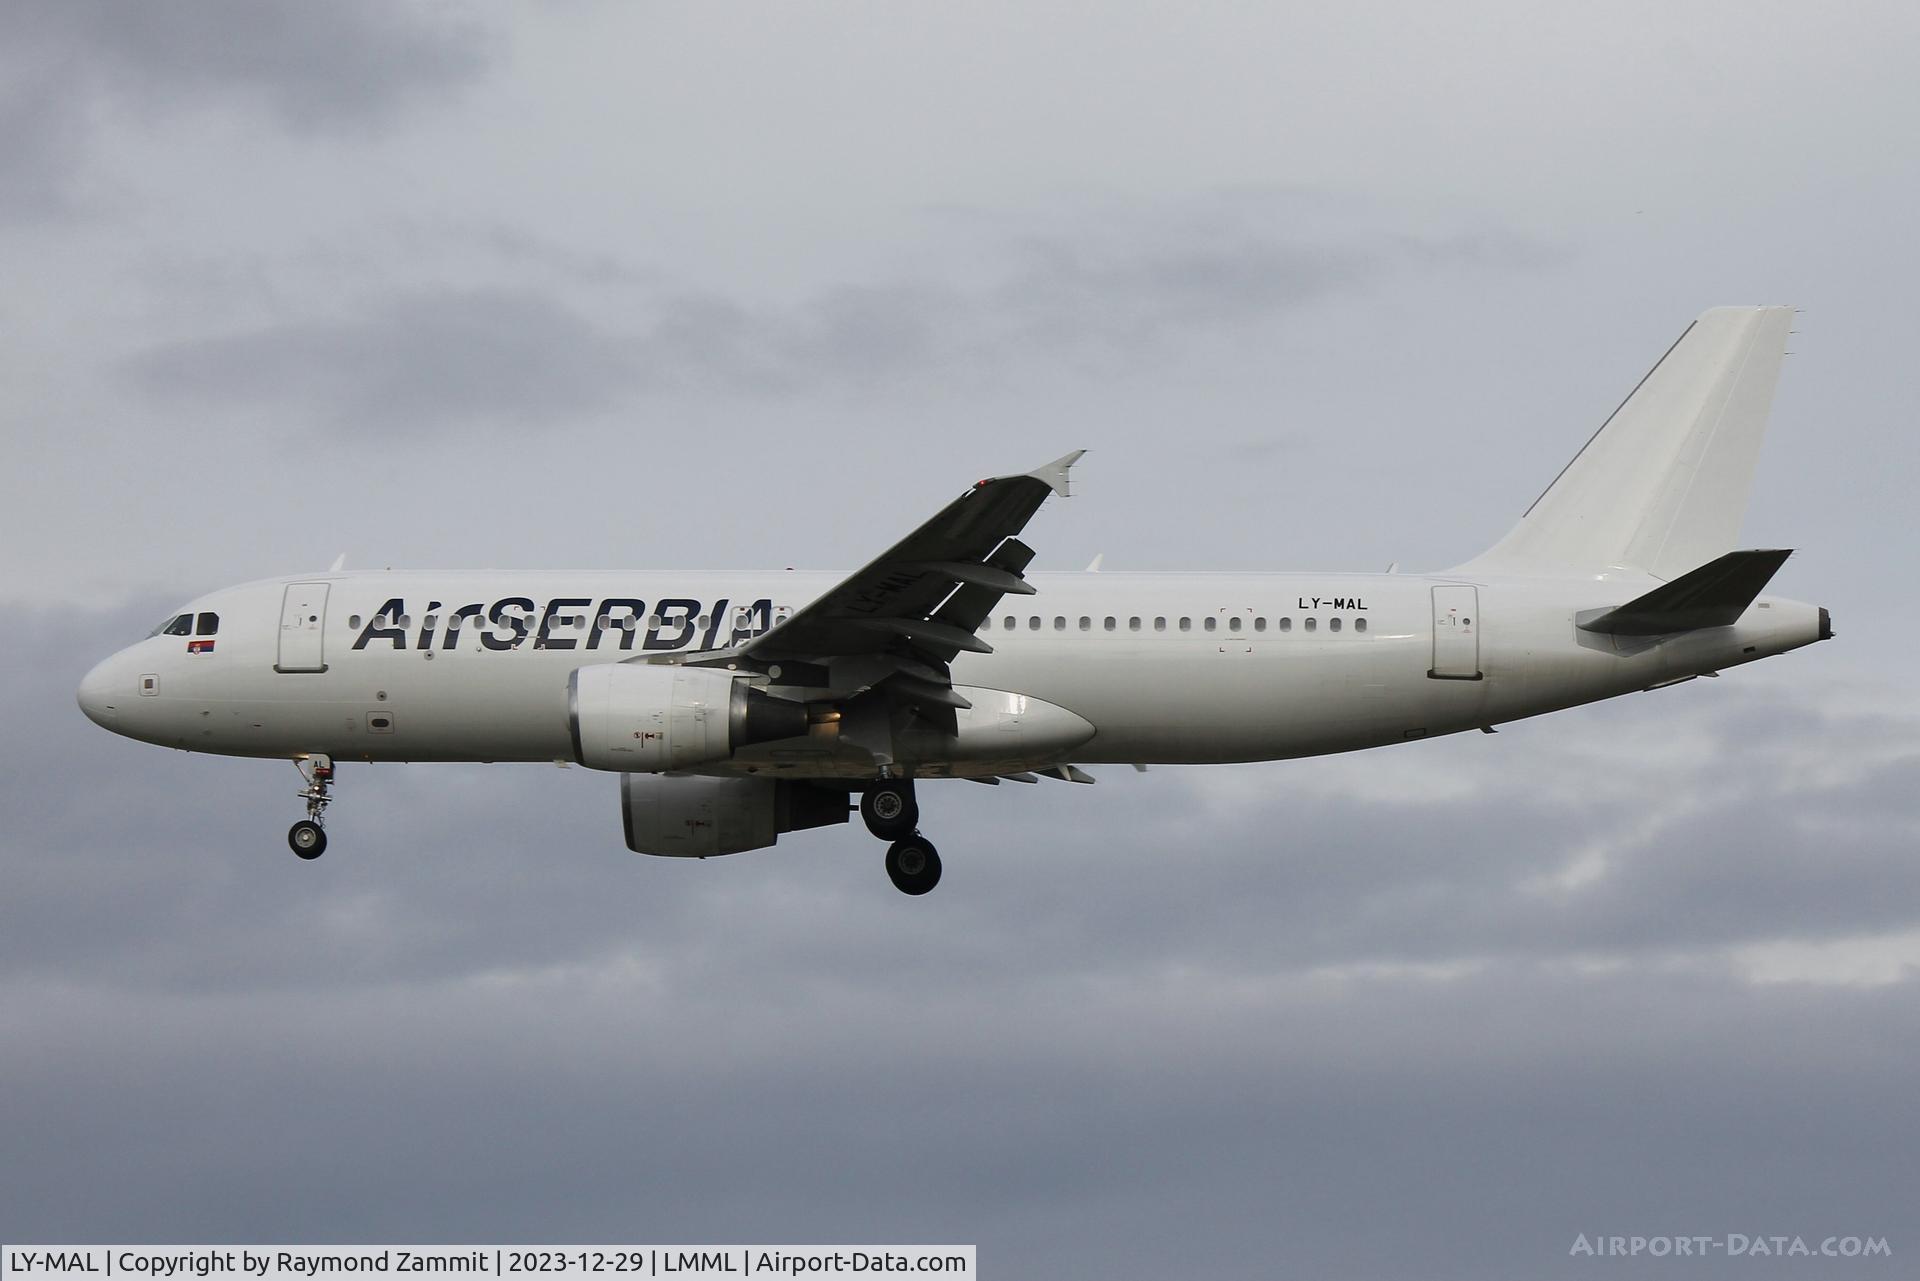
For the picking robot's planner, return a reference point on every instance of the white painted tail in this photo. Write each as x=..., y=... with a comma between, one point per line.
x=1662, y=487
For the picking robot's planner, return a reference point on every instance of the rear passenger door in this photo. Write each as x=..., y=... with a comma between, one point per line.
x=1456, y=633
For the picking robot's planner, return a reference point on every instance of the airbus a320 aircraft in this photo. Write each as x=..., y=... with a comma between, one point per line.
x=739, y=706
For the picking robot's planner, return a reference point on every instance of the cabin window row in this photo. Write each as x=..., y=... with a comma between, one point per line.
x=1234, y=624
x=1208, y=623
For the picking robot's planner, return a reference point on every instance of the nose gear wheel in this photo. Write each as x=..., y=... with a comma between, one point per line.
x=308, y=837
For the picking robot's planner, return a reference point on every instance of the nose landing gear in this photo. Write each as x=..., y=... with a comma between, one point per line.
x=308, y=838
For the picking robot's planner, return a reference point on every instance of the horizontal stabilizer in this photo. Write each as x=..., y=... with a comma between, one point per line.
x=1714, y=595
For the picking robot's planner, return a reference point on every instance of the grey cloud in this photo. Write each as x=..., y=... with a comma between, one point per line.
x=554, y=259
x=1066, y=294
x=313, y=68
x=429, y=358
x=417, y=361
x=1100, y=299
x=1715, y=853
x=40, y=138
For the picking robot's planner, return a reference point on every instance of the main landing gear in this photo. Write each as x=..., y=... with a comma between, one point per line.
x=890, y=810
x=891, y=814
x=308, y=838
x=913, y=865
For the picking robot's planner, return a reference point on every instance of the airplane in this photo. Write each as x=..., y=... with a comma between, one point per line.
x=737, y=707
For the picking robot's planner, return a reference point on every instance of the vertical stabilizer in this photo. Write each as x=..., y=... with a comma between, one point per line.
x=1662, y=487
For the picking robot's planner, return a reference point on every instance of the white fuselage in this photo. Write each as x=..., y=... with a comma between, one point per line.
x=1164, y=667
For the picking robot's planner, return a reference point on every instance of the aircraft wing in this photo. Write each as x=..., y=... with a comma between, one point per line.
x=915, y=608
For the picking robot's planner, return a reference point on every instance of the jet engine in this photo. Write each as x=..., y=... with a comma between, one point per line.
x=647, y=718
x=694, y=816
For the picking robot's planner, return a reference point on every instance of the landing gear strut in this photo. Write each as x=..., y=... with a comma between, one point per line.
x=308, y=838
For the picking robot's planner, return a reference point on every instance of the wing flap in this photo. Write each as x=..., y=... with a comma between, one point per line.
x=968, y=607
x=926, y=632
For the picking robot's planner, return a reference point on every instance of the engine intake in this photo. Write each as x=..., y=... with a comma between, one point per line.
x=648, y=719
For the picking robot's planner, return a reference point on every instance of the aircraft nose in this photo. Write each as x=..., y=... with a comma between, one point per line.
x=100, y=694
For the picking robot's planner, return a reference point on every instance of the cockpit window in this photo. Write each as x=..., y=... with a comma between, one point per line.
x=178, y=625
x=209, y=625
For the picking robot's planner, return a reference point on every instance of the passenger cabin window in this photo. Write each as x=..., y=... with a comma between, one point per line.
x=1210, y=622
x=1133, y=624
x=1086, y=624
x=1160, y=624
x=1260, y=624
x=1059, y=622
x=1333, y=624
x=1312, y=623
x=1111, y=622
x=1286, y=624
x=1007, y=623
x=1359, y=624
x=1033, y=624
x=1186, y=624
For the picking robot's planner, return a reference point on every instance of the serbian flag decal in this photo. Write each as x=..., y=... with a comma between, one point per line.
x=202, y=646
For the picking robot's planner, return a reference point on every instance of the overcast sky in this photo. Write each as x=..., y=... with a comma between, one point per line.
x=654, y=286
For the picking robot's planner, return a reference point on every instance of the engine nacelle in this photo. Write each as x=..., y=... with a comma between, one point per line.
x=649, y=718
x=694, y=816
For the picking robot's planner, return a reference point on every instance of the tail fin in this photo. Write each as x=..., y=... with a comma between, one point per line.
x=1662, y=487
